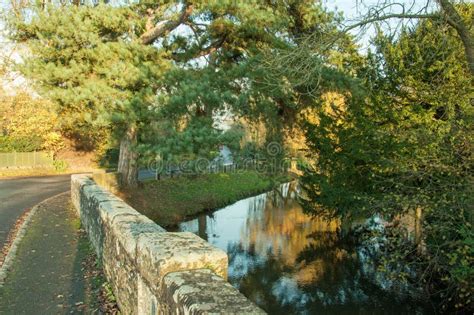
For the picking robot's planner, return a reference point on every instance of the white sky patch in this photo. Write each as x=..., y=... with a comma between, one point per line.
x=12, y=81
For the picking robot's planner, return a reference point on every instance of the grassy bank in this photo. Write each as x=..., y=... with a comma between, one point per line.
x=169, y=201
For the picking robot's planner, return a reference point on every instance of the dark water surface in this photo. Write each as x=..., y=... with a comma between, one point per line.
x=288, y=263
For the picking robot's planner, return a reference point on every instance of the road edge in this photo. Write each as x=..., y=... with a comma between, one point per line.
x=17, y=238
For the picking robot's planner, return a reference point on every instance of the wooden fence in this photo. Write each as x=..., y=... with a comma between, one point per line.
x=26, y=160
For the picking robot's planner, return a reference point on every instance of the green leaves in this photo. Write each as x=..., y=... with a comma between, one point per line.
x=402, y=140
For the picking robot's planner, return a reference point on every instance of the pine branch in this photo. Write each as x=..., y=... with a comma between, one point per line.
x=164, y=27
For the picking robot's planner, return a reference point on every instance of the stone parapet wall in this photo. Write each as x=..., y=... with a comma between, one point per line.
x=152, y=271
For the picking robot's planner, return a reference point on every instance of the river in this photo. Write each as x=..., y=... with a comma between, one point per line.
x=290, y=263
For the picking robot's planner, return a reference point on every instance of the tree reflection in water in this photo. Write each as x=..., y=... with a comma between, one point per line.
x=290, y=263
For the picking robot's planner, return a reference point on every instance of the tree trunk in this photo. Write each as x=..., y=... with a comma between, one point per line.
x=455, y=20
x=202, y=227
x=419, y=231
x=128, y=159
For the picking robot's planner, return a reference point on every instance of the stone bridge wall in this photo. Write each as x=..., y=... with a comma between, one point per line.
x=152, y=271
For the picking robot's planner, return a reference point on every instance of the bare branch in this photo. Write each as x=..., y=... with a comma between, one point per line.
x=392, y=16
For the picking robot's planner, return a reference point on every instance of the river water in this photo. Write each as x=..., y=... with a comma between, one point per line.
x=290, y=263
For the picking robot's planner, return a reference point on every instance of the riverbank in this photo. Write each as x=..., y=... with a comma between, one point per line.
x=55, y=268
x=172, y=200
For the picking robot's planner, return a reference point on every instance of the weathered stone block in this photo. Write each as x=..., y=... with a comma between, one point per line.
x=203, y=292
x=127, y=228
x=161, y=253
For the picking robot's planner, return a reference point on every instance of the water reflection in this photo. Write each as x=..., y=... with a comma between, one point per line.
x=288, y=263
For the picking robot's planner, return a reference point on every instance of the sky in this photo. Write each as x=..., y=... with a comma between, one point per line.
x=349, y=7
x=350, y=10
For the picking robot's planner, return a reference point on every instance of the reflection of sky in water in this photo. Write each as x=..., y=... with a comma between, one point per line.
x=225, y=229
x=225, y=226
x=287, y=262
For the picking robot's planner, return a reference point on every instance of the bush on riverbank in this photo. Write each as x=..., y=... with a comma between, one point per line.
x=169, y=201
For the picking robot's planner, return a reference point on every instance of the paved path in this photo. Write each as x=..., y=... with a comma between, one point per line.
x=19, y=194
x=50, y=274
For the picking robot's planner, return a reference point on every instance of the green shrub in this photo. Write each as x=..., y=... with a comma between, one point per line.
x=60, y=165
x=20, y=144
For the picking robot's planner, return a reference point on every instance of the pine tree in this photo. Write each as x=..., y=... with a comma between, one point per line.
x=121, y=66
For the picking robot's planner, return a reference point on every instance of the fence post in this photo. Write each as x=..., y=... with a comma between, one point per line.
x=14, y=158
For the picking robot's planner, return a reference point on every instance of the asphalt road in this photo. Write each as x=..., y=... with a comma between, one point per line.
x=17, y=195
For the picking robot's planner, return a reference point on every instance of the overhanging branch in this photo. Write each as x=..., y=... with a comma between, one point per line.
x=164, y=27
x=391, y=16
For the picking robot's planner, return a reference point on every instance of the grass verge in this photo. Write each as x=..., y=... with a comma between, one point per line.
x=29, y=172
x=98, y=290
x=32, y=172
x=170, y=201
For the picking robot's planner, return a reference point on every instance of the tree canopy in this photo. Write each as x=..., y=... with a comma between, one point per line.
x=121, y=67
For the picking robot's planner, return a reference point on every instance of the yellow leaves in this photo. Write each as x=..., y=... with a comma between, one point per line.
x=334, y=103
x=53, y=141
x=23, y=116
